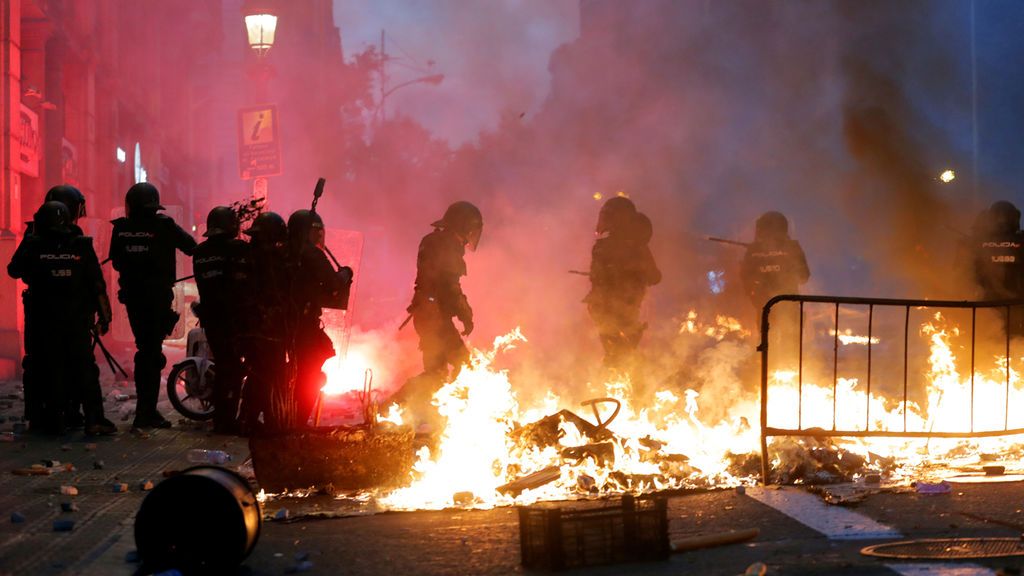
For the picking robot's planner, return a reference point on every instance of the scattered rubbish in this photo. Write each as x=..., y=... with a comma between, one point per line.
x=69, y=467
x=304, y=566
x=586, y=483
x=51, y=463
x=98, y=465
x=463, y=498
x=65, y=447
x=17, y=518
x=132, y=557
x=34, y=471
x=282, y=514
x=712, y=540
x=69, y=491
x=994, y=470
x=201, y=456
x=90, y=446
x=531, y=481
x=756, y=569
x=63, y=525
x=68, y=507
x=145, y=485
x=942, y=487
x=119, y=487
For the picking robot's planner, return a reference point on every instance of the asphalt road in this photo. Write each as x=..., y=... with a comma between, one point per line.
x=316, y=540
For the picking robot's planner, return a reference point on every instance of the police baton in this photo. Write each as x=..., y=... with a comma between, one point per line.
x=111, y=361
x=726, y=241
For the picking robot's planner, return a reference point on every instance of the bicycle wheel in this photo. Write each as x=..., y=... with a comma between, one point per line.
x=190, y=394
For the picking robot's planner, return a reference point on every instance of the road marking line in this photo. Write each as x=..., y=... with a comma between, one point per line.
x=940, y=570
x=834, y=522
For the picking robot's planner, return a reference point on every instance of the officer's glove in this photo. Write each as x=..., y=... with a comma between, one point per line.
x=467, y=326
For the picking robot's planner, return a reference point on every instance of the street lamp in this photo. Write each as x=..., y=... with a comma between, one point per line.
x=260, y=28
x=433, y=79
x=260, y=25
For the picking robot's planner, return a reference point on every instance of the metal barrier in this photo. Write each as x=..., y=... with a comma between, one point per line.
x=867, y=431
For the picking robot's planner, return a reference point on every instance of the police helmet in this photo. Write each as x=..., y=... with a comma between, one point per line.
x=142, y=197
x=299, y=225
x=69, y=196
x=222, y=221
x=52, y=217
x=616, y=215
x=464, y=219
x=269, y=226
x=771, y=225
x=1005, y=217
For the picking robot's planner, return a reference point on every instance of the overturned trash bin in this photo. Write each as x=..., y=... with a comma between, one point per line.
x=205, y=520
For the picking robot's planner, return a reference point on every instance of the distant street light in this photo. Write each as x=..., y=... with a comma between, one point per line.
x=433, y=79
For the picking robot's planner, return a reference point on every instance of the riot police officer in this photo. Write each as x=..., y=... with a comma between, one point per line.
x=220, y=265
x=437, y=299
x=774, y=263
x=74, y=200
x=622, y=268
x=999, y=260
x=143, y=246
x=68, y=301
x=314, y=282
x=266, y=322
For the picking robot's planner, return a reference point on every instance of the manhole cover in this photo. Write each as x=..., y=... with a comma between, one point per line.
x=948, y=548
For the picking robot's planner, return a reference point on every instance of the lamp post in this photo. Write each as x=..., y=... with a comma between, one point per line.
x=261, y=31
x=433, y=79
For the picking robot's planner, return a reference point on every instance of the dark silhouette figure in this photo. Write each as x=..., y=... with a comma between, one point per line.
x=68, y=301
x=438, y=299
x=774, y=263
x=622, y=268
x=143, y=249
x=266, y=302
x=999, y=261
x=314, y=283
x=221, y=268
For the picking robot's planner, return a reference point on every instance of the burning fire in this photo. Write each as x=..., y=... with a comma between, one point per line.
x=495, y=450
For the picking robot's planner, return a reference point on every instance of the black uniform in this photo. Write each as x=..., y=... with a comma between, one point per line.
x=67, y=291
x=142, y=250
x=437, y=299
x=221, y=267
x=773, y=266
x=622, y=267
x=313, y=281
x=266, y=322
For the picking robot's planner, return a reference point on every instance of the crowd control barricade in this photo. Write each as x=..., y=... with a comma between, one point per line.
x=872, y=307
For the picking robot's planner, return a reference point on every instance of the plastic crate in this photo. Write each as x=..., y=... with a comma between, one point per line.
x=557, y=538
